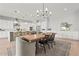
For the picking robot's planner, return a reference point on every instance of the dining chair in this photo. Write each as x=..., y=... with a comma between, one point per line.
x=43, y=43
x=51, y=40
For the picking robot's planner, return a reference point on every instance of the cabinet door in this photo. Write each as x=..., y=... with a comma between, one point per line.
x=38, y=28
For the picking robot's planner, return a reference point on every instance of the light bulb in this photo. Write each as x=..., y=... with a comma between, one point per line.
x=50, y=13
x=46, y=9
x=37, y=11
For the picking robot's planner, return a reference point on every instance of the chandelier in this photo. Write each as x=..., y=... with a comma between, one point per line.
x=44, y=13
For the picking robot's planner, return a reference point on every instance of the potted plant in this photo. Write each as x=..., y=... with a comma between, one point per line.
x=65, y=26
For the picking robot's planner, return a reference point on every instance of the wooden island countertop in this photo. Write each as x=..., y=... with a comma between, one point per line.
x=32, y=37
x=35, y=37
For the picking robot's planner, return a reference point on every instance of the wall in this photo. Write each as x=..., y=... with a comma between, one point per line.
x=7, y=25
x=25, y=26
x=54, y=22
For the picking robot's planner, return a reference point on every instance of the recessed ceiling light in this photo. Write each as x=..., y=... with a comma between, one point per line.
x=16, y=11
x=65, y=9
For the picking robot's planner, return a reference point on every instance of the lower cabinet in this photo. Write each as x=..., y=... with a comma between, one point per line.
x=68, y=34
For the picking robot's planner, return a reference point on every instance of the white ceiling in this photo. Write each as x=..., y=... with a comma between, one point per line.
x=28, y=9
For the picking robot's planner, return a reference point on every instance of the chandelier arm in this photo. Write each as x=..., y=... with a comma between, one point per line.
x=43, y=7
x=43, y=10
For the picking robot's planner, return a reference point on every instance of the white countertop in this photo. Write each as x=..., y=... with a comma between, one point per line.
x=4, y=34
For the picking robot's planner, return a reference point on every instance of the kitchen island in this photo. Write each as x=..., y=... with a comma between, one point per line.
x=25, y=45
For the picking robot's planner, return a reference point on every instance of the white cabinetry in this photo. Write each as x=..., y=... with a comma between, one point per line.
x=3, y=34
x=67, y=34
